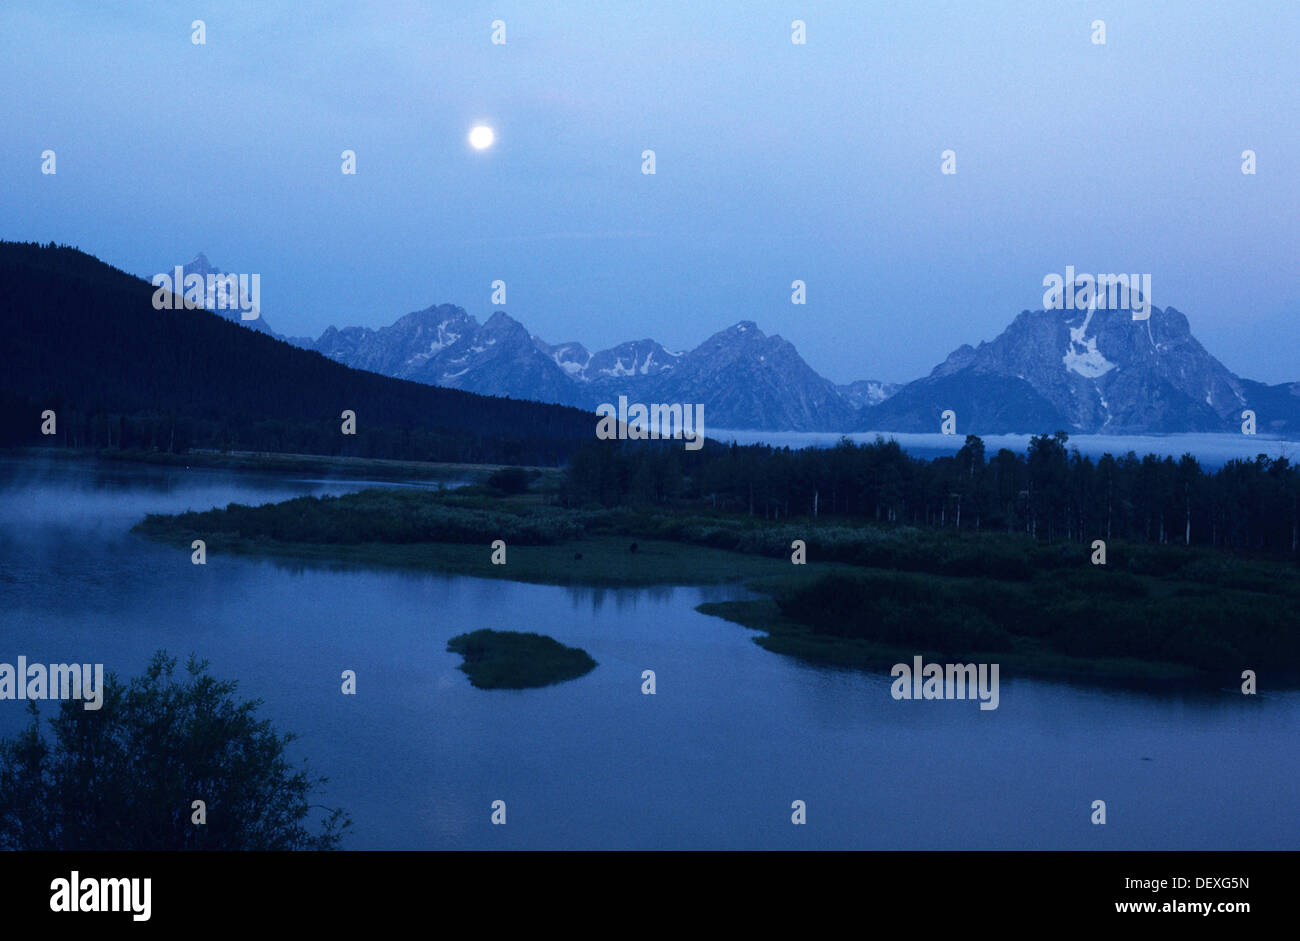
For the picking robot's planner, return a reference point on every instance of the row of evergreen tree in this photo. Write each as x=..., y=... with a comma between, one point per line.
x=1050, y=492
x=173, y=433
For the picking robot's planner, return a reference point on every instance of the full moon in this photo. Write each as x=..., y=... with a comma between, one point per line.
x=481, y=137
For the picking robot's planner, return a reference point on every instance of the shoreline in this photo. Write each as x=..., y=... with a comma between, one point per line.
x=782, y=635
x=674, y=564
x=277, y=462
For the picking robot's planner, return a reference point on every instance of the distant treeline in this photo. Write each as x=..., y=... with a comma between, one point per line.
x=1050, y=492
x=83, y=339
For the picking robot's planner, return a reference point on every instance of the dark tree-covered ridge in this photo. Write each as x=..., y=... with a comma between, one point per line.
x=83, y=339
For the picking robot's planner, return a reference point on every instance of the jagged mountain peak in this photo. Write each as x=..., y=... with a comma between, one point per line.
x=572, y=357
x=634, y=358
x=201, y=266
x=500, y=320
x=744, y=330
x=436, y=314
x=1088, y=370
x=445, y=345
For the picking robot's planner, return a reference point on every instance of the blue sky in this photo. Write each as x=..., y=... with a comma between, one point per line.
x=774, y=162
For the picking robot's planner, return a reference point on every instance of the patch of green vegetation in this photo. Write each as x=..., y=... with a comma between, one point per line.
x=384, y=516
x=451, y=533
x=784, y=635
x=1087, y=614
x=598, y=561
x=513, y=660
x=470, y=514
x=1086, y=622
x=868, y=592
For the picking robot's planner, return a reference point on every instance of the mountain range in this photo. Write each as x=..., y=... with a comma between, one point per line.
x=745, y=378
x=1083, y=371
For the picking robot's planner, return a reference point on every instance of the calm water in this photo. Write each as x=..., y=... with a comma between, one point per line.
x=733, y=736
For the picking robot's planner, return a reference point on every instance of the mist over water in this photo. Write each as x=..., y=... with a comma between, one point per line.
x=733, y=736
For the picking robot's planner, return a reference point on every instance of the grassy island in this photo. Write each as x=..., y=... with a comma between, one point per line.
x=513, y=660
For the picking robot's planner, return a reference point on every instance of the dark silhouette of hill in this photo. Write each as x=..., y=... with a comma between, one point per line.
x=83, y=338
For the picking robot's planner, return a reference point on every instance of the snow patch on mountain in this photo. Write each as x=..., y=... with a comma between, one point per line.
x=1082, y=356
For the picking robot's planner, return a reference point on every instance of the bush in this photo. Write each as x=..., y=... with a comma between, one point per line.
x=894, y=609
x=123, y=777
x=509, y=480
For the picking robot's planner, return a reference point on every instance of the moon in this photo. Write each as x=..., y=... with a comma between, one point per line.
x=481, y=137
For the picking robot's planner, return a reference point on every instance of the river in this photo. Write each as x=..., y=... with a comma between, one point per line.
x=733, y=735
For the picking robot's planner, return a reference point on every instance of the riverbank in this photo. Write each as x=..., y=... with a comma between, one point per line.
x=595, y=561
x=869, y=596
x=784, y=635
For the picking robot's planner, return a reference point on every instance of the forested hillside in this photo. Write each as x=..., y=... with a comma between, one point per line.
x=83, y=339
